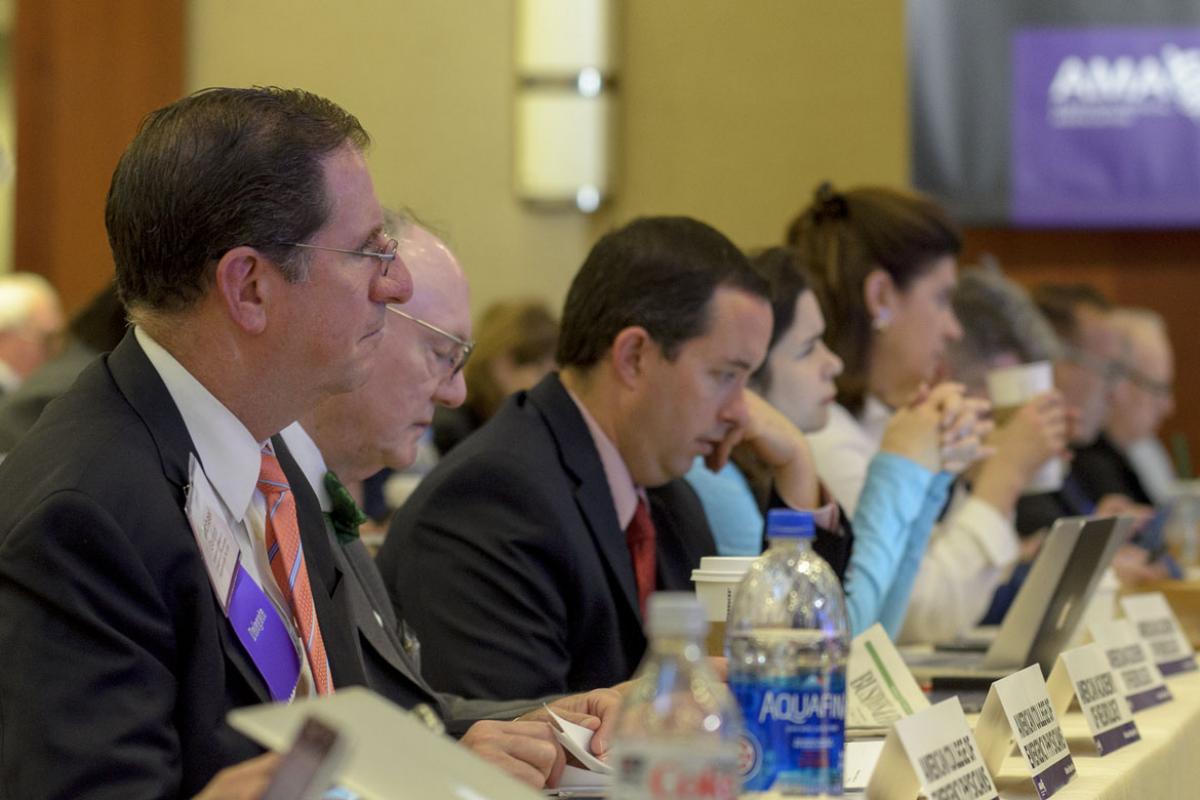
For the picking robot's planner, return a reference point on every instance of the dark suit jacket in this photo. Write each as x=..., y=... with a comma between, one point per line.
x=509, y=562
x=1103, y=469
x=118, y=664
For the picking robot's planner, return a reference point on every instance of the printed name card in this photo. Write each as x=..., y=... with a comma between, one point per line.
x=1018, y=707
x=1084, y=673
x=934, y=752
x=1128, y=655
x=1156, y=623
x=880, y=689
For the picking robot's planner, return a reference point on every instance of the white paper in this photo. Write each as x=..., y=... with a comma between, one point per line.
x=1129, y=658
x=859, y=762
x=1033, y=723
x=577, y=741
x=1084, y=673
x=931, y=750
x=879, y=687
x=218, y=547
x=1155, y=621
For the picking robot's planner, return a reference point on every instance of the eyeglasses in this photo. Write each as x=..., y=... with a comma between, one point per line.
x=453, y=359
x=1148, y=384
x=1109, y=370
x=386, y=256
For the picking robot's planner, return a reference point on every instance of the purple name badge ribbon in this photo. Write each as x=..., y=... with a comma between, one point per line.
x=264, y=636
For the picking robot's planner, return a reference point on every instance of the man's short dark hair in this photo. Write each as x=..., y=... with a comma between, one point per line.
x=216, y=170
x=656, y=272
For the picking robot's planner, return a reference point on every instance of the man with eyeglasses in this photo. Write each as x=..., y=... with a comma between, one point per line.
x=1087, y=374
x=524, y=560
x=1127, y=459
x=156, y=567
x=31, y=326
x=353, y=435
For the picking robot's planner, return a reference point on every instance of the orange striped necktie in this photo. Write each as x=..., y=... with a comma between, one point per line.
x=286, y=554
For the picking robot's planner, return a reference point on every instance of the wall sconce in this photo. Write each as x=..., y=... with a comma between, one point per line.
x=564, y=103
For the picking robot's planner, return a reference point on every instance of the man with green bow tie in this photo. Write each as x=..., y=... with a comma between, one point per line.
x=353, y=435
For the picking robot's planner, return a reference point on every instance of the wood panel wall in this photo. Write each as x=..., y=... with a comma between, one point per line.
x=1159, y=270
x=85, y=73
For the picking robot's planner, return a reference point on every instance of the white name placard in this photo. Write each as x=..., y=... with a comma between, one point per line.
x=933, y=752
x=1084, y=673
x=1018, y=708
x=1156, y=623
x=1133, y=666
x=879, y=687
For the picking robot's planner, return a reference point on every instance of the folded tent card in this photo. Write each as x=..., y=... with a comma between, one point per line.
x=1018, y=708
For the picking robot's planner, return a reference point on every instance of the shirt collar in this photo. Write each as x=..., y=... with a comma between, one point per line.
x=309, y=459
x=231, y=457
x=620, y=482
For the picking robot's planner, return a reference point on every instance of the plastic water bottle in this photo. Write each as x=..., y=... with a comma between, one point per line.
x=788, y=641
x=678, y=735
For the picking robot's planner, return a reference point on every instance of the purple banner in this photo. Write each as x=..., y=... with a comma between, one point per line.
x=1175, y=667
x=1116, y=738
x=1151, y=697
x=1054, y=777
x=1106, y=127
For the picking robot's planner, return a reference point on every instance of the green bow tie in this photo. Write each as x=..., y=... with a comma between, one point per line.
x=345, y=516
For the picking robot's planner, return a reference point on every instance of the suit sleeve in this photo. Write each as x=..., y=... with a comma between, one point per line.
x=87, y=692
x=477, y=570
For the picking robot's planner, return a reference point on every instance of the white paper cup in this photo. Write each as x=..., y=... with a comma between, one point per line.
x=716, y=579
x=1009, y=389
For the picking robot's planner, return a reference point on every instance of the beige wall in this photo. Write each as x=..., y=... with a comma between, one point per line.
x=730, y=111
x=735, y=110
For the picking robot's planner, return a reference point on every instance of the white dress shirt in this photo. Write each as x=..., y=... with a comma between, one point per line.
x=231, y=458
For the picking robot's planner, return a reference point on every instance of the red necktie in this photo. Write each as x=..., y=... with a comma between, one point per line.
x=286, y=555
x=639, y=536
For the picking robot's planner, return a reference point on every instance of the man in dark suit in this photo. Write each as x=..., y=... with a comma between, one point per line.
x=525, y=558
x=252, y=257
x=351, y=436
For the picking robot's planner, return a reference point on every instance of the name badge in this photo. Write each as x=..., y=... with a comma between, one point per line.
x=934, y=752
x=1018, y=707
x=1084, y=673
x=1128, y=655
x=256, y=622
x=1157, y=624
x=879, y=687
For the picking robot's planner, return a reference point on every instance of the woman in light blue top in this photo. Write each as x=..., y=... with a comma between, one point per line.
x=907, y=481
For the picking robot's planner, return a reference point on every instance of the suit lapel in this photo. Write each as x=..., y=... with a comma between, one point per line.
x=324, y=575
x=592, y=492
x=144, y=390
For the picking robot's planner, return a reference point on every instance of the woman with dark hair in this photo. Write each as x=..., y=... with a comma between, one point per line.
x=883, y=266
x=908, y=479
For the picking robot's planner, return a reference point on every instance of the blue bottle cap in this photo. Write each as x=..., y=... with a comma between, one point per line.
x=789, y=523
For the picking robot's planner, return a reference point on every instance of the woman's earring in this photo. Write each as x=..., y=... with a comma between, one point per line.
x=882, y=320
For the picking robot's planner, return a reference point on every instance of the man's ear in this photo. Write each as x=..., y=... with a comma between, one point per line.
x=880, y=296
x=245, y=280
x=630, y=349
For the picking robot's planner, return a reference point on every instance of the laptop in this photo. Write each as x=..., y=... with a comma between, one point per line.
x=1045, y=613
x=389, y=754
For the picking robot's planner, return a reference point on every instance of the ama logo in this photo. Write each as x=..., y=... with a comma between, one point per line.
x=1102, y=91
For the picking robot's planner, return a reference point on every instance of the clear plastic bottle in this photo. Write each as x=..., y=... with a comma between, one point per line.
x=788, y=641
x=679, y=729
